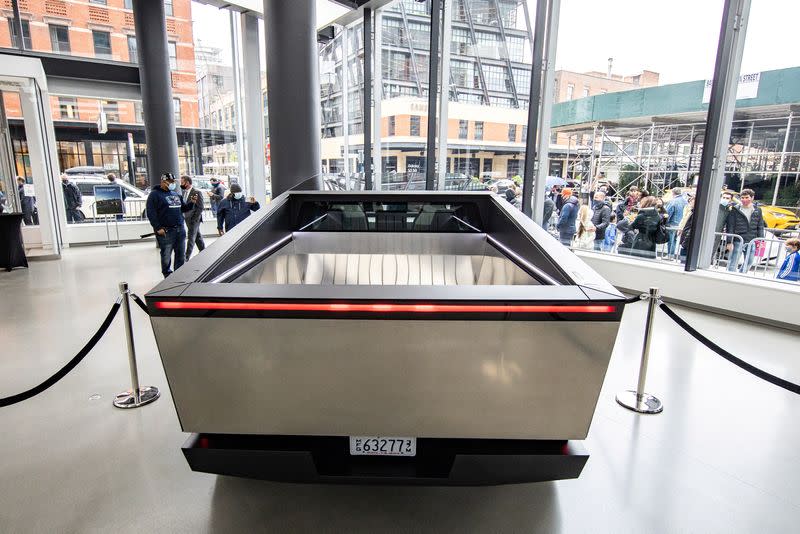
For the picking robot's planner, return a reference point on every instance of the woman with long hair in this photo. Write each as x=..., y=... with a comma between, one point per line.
x=646, y=224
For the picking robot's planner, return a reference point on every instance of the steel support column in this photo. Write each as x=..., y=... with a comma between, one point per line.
x=156, y=87
x=344, y=36
x=253, y=117
x=444, y=92
x=433, y=83
x=537, y=142
x=783, y=159
x=238, y=106
x=293, y=95
x=377, y=96
x=366, y=115
x=733, y=29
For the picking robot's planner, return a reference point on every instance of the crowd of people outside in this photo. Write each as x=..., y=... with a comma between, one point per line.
x=647, y=226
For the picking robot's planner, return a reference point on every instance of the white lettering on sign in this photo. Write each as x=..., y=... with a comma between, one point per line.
x=746, y=88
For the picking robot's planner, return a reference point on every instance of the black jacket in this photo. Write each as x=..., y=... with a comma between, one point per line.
x=195, y=216
x=601, y=218
x=736, y=223
x=646, y=222
x=72, y=195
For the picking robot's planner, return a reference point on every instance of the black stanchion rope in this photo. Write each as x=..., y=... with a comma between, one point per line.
x=139, y=302
x=772, y=379
x=633, y=300
x=8, y=401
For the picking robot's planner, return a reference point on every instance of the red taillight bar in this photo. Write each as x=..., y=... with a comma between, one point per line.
x=382, y=308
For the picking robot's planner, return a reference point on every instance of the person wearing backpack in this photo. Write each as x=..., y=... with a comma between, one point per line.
x=650, y=229
x=790, y=270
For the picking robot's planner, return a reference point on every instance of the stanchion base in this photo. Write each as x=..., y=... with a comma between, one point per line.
x=643, y=403
x=126, y=399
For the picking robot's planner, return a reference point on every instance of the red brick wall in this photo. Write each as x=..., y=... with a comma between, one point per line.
x=81, y=17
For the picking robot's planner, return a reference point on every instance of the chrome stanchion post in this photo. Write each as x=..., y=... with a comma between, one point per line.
x=638, y=400
x=137, y=395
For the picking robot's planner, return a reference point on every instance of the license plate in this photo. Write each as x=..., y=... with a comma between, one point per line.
x=382, y=446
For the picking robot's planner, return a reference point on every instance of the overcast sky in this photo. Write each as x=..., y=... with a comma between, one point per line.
x=677, y=38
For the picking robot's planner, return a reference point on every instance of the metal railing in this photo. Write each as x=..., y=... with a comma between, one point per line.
x=768, y=255
x=134, y=212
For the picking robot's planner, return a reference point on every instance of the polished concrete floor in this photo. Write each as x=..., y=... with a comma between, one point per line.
x=723, y=457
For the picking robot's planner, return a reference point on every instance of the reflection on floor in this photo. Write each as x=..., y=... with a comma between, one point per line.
x=723, y=457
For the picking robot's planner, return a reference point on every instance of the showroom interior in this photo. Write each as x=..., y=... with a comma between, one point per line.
x=367, y=350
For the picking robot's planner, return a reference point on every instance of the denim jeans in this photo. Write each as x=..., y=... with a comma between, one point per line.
x=733, y=260
x=174, y=241
x=672, y=240
x=193, y=237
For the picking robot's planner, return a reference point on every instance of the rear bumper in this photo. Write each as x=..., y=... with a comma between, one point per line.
x=439, y=462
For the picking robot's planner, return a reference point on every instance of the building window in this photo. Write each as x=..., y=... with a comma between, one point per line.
x=585, y=91
x=173, y=55
x=133, y=52
x=168, y=11
x=462, y=129
x=111, y=109
x=487, y=165
x=524, y=133
x=128, y=4
x=26, y=34
x=391, y=125
x=414, y=125
x=59, y=39
x=512, y=133
x=67, y=107
x=479, y=130
x=570, y=90
x=176, y=109
x=101, y=2
x=138, y=114
x=102, y=44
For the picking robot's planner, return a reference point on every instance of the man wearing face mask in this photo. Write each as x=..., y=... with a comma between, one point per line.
x=234, y=209
x=165, y=207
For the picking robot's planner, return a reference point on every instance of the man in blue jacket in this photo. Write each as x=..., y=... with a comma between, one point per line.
x=165, y=208
x=234, y=209
x=567, y=217
x=675, y=210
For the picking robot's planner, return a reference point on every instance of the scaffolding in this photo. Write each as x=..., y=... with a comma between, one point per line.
x=666, y=154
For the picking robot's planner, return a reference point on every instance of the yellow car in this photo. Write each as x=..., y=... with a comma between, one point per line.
x=780, y=218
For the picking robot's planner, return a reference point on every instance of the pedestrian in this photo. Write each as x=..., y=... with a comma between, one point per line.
x=601, y=218
x=610, y=238
x=625, y=229
x=73, y=200
x=193, y=218
x=549, y=207
x=685, y=229
x=27, y=204
x=646, y=224
x=746, y=221
x=625, y=206
x=165, y=208
x=790, y=270
x=112, y=179
x=216, y=195
x=567, y=216
x=234, y=209
x=511, y=196
x=585, y=231
x=675, y=209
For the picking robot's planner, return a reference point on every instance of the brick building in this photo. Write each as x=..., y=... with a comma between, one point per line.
x=102, y=29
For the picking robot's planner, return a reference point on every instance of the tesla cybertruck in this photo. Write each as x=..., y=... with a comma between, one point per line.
x=386, y=337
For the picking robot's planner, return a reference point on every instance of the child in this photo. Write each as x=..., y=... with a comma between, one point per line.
x=790, y=270
x=611, y=234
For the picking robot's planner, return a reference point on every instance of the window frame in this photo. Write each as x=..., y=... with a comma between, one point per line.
x=95, y=34
x=477, y=133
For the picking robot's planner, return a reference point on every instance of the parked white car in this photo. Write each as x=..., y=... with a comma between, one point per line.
x=135, y=199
